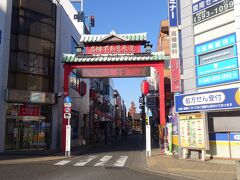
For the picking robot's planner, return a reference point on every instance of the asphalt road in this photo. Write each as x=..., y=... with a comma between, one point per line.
x=120, y=160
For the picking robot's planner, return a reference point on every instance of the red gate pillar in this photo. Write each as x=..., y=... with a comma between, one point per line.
x=66, y=92
x=162, y=116
x=162, y=112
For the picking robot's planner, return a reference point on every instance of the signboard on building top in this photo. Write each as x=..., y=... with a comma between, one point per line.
x=211, y=11
x=172, y=11
x=212, y=100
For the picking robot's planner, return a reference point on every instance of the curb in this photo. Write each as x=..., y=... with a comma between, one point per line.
x=31, y=160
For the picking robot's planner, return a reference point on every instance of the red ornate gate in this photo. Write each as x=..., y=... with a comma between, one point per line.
x=114, y=51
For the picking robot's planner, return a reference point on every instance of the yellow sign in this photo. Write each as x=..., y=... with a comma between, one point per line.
x=147, y=119
x=191, y=116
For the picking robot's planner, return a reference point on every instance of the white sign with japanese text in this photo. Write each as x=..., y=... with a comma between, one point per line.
x=68, y=138
x=174, y=46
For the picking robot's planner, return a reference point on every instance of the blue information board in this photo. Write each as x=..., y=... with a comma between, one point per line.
x=212, y=100
x=224, y=77
x=217, y=67
x=215, y=44
x=216, y=61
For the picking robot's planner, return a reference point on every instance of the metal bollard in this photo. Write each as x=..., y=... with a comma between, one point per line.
x=238, y=170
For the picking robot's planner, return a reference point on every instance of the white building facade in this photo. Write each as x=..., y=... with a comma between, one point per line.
x=210, y=39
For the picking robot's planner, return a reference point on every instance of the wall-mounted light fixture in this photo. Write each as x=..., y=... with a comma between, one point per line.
x=148, y=47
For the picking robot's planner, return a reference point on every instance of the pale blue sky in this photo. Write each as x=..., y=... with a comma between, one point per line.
x=128, y=16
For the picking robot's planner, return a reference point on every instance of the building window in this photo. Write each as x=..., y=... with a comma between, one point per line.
x=32, y=53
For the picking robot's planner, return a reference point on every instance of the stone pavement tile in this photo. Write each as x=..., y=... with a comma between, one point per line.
x=192, y=168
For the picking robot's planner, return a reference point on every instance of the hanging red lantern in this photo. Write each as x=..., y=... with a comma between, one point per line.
x=145, y=87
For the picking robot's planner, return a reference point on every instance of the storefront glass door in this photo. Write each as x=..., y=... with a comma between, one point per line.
x=25, y=132
x=27, y=135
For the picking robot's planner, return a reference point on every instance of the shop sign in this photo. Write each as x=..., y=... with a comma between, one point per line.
x=215, y=44
x=172, y=11
x=113, y=49
x=218, y=55
x=214, y=10
x=225, y=77
x=29, y=110
x=237, y=137
x=212, y=100
x=217, y=67
x=116, y=72
x=203, y=4
x=192, y=131
x=175, y=75
x=14, y=95
x=174, y=49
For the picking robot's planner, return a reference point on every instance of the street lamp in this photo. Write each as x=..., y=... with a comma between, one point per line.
x=148, y=47
x=80, y=49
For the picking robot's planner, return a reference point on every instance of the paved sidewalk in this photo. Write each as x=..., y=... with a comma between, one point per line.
x=195, y=169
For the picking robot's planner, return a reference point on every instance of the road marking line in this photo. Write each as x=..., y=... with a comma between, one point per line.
x=61, y=163
x=121, y=161
x=85, y=161
x=103, y=161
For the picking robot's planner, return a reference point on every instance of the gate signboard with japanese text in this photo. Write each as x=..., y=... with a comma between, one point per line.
x=116, y=72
